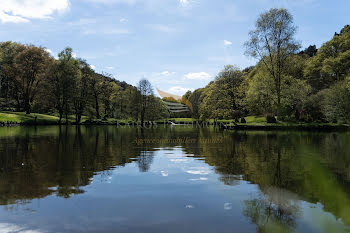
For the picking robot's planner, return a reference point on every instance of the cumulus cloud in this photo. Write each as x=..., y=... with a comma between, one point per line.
x=183, y=2
x=49, y=51
x=167, y=73
x=21, y=11
x=179, y=90
x=227, y=42
x=198, y=76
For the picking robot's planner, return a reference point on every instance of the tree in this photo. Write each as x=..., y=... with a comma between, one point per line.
x=331, y=63
x=81, y=93
x=336, y=105
x=112, y=98
x=229, y=82
x=272, y=42
x=215, y=104
x=64, y=75
x=31, y=63
x=9, y=88
x=196, y=99
x=146, y=91
x=96, y=89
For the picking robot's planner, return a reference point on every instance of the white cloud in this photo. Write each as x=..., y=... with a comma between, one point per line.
x=129, y=2
x=92, y=67
x=117, y=31
x=74, y=55
x=123, y=20
x=183, y=2
x=167, y=73
x=227, y=42
x=198, y=76
x=83, y=22
x=162, y=28
x=49, y=51
x=21, y=11
x=179, y=90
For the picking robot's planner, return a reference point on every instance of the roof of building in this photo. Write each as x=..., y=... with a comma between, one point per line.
x=165, y=94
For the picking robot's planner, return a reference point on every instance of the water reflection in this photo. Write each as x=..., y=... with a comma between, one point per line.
x=278, y=181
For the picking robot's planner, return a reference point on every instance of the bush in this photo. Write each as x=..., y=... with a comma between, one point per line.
x=271, y=119
x=243, y=121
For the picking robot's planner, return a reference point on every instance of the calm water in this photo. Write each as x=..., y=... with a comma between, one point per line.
x=109, y=179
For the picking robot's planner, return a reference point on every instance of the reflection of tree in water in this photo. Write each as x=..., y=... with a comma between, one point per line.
x=274, y=212
x=313, y=165
x=144, y=160
x=59, y=160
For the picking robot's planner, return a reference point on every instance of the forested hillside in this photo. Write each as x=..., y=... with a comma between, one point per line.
x=313, y=84
x=31, y=80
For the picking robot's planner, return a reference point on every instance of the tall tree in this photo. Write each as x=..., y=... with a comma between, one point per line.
x=81, y=93
x=32, y=64
x=95, y=86
x=64, y=75
x=9, y=88
x=272, y=42
x=146, y=91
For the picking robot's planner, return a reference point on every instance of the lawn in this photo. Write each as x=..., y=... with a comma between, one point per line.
x=22, y=118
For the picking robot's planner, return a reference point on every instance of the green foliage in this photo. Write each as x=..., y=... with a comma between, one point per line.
x=272, y=42
x=332, y=62
x=337, y=102
x=223, y=98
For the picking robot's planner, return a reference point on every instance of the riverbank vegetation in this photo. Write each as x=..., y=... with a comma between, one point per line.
x=310, y=86
x=287, y=84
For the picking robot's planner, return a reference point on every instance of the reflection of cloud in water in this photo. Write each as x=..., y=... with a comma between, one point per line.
x=164, y=173
x=228, y=206
x=189, y=207
x=282, y=198
x=197, y=172
x=201, y=178
x=179, y=160
x=6, y=228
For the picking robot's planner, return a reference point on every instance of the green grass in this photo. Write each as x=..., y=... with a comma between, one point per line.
x=22, y=118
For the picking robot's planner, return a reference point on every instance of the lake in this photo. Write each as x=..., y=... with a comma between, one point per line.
x=172, y=179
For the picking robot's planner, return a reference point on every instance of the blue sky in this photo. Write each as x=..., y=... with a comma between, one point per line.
x=176, y=44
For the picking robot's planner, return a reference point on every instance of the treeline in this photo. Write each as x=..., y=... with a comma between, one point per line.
x=31, y=80
x=312, y=85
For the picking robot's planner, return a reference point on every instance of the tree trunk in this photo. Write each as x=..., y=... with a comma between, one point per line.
x=97, y=108
x=27, y=105
x=143, y=116
x=61, y=116
x=278, y=105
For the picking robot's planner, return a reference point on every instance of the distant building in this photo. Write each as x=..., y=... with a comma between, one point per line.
x=173, y=107
x=164, y=94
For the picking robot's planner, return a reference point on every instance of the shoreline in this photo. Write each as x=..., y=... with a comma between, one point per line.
x=220, y=125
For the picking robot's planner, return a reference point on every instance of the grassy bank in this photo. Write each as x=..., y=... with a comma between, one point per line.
x=253, y=122
x=12, y=118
